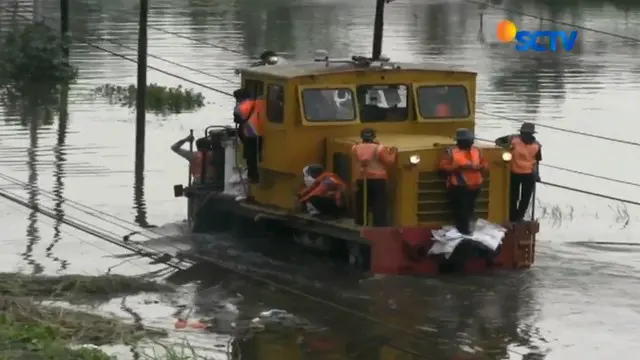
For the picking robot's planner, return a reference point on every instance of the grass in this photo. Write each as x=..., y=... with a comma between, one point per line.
x=30, y=329
x=161, y=100
x=77, y=287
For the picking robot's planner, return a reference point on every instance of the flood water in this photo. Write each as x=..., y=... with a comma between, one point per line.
x=580, y=300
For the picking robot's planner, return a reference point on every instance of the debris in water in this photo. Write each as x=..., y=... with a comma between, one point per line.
x=161, y=100
x=31, y=329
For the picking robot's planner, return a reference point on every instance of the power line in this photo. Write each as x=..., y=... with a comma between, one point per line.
x=272, y=283
x=554, y=21
x=490, y=114
x=156, y=69
x=168, y=61
x=135, y=61
x=577, y=172
x=585, y=192
x=19, y=208
x=202, y=42
x=576, y=132
x=79, y=225
x=486, y=113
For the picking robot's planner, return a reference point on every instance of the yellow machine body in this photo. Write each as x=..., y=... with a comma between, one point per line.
x=293, y=140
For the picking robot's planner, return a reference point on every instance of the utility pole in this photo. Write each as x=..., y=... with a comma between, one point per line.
x=141, y=102
x=64, y=26
x=378, y=27
x=141, y=98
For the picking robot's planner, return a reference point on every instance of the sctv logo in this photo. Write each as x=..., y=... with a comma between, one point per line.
x=529, y=40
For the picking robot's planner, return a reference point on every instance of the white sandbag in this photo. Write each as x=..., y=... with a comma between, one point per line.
x=308, y=180
x=237, y=184
x=446, y=239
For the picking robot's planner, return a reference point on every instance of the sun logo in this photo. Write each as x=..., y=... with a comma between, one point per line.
x=506, y=31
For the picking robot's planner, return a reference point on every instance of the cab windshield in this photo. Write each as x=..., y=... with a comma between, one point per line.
x=383, y=102
x=437, y=102
x=327, y=105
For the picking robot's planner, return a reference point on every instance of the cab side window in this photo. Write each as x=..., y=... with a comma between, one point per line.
x=275, y=103
x=255, y=87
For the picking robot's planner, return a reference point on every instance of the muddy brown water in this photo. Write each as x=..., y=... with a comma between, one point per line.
x=580, y=299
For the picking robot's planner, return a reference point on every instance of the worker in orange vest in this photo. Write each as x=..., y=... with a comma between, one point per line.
x=250, y=115
x=463, y=165
x=200, y=161
x=372, y=159
x=325, y=193
x=526, y=156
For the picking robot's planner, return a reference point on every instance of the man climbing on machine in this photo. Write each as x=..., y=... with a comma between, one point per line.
x=325, y=193
x=527, y=154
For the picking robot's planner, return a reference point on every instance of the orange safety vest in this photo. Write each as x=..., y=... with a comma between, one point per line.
x=443, y=110
x=255, y=117
x=246, y=108
x=524, y=156
x=195, y=166
x=370, y=156
x=327, y=184
x=469, y=178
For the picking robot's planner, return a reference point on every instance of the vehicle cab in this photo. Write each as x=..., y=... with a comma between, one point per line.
x=315, y=111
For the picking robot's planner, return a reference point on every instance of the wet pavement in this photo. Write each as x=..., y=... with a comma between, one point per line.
x=580, y=299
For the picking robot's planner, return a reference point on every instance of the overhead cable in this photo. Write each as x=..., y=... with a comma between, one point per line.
x=554, y=21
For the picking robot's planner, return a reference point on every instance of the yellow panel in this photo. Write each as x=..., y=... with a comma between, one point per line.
x=492, y=203
x=274, y=149
x=406, y=197
x=500, y=183
x=276, y=136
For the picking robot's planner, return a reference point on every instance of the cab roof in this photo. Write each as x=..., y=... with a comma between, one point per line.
x=295, y=69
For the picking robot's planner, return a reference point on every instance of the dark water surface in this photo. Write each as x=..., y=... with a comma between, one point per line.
x=580, y=300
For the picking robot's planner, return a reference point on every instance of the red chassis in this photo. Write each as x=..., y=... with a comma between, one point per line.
x=404, y=250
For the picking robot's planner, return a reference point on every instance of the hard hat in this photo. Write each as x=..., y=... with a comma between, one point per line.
x=464, y=134
x=528, y=128
x=367, y=134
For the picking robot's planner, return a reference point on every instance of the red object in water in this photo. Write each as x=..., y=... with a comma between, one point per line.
x=404, y=250
x=195, y=324
x=180, y=324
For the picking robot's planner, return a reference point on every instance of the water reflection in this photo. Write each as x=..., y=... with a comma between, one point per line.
x=447, y=317
x=437, y=28
x=489, y=316
x=58, y=175
x=33, y=232
x=139, y=204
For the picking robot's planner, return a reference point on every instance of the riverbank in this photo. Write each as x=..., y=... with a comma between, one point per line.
x=33, y=326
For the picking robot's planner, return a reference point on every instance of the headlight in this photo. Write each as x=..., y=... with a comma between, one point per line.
x=506, y=156
x=414, y=159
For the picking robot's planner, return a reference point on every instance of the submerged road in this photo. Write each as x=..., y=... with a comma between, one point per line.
x=580, y=299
